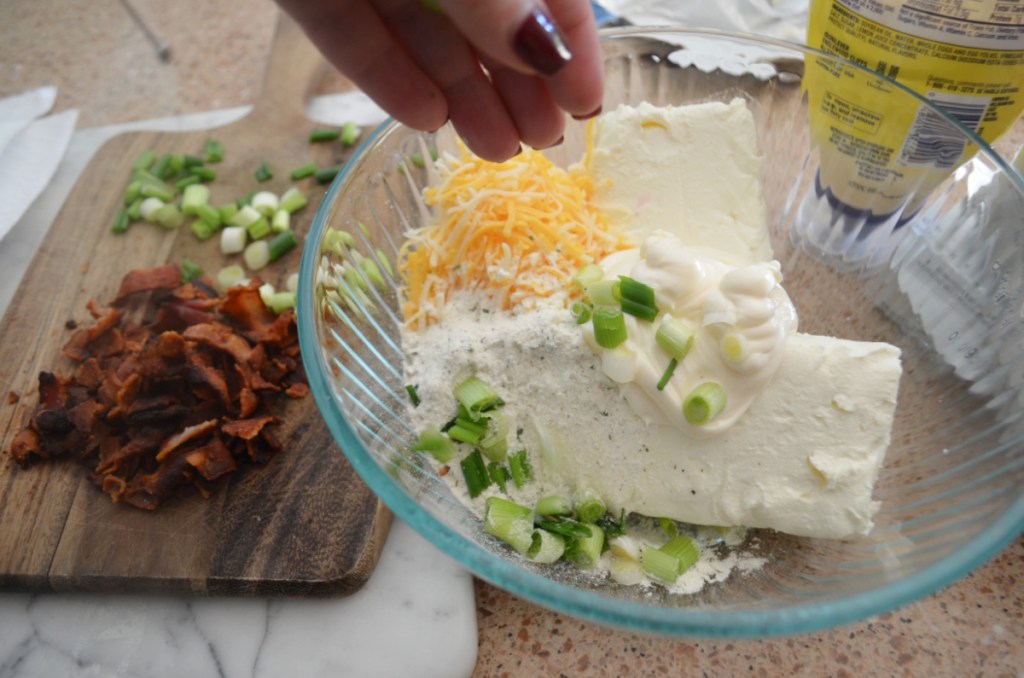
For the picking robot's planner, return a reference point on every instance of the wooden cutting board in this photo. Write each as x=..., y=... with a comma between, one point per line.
x=305, y=523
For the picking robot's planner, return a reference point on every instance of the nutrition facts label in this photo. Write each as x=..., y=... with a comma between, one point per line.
x=980, y=24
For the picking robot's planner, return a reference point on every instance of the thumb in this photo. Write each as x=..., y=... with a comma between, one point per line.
x=519, y=34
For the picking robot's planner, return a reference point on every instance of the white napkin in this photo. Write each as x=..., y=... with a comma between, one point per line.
x=30, y=149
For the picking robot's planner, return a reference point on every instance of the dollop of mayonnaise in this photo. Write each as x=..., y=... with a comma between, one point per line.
x=740, y=318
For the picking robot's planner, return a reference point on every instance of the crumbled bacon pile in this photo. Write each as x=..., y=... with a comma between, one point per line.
x=177, y=399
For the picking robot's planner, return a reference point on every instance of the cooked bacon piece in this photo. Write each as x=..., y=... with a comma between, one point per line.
x=246, y=429
x=297, y=391
x=190, y=433
x=221, y=338
x=25, y=446
x=166, y=277
x=87, y=342
x=244, y=305
x=212, y=460
x=175, y=401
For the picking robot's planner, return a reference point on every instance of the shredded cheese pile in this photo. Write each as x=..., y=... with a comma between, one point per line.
x=513, y=231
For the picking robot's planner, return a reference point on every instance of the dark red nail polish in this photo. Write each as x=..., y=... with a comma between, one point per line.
x=539, y=43
x=557, y=143
x=593, y=114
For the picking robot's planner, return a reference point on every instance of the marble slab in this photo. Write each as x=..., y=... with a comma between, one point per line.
x=415, y=617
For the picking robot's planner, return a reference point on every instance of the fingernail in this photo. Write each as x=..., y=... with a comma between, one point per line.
x=588, y=116
x=539, y=43
x=557, y=143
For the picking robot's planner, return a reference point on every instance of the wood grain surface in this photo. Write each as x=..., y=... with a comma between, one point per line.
x=304, y=524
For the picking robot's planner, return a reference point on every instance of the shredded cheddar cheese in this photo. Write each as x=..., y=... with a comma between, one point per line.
x=512, y=231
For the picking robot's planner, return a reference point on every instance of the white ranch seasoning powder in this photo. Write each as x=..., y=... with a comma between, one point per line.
x=556, y=397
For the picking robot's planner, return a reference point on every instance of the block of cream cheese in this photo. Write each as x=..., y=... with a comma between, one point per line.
x=802, y=460
x=695, y=166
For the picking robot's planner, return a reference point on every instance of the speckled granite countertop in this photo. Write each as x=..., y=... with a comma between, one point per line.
x=103, y=65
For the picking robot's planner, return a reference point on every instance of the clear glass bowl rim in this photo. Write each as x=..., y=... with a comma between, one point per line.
x=638, y=617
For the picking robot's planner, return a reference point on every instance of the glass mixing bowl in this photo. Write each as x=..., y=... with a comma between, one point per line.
x=944, y=284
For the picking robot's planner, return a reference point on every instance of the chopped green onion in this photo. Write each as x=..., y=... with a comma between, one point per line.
x=382, y=258
x=232, y=240
x=553, y=505
x=581, y=312
x=734, y=348
x=209, y=214
x=662, y=565
x=263, y=173
x=674, y=337
x=510, y=522
x=148, y=208
x=245, y=217
x=185, y=182
x=436, y=444
x=373, y=273
x=414, y=396
x=587, y=276
x=259, y=228
x=611, y=526
x=338, y=240
x=203, y=229
x=204, y=173
x=213, y=151
x=132, y=192
x=350, y=133
x=162, y=168
x=194, y=196
x=176, y=163
x=326, y=175
x=589, y=506
x=684, y=550
x=609, y=327
x=256, y=255
x=281, y=221
x=669, y=527
x=586, y=552
x=499, y=475
x=169, y=216
x=157, y=191
x=567, y=527
x=545, y=547
x=417, y=160
x=229, y=276
x=266, y=291
x=293, y=200
x=292, y=282
x=281, y=244
x=144, y=160
x=135, y=210
x=475, y=473
x=476, y=396
x=227, y=212
x=494, y=444
x=663, y=382
x=300, y=173
x=279, y=302
x=265, y=202
x=318, y=135
x=121, y=222
x=190, y=270
x=637, y=299
x=704, y=403
x=147, y=177
x=466, y=431
x=193, y=161
x=603, y=292
x=519, y=466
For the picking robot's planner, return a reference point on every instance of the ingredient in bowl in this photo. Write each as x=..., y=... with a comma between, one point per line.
x=679, y=387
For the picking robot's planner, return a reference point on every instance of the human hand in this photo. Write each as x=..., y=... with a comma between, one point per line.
x=423, y=62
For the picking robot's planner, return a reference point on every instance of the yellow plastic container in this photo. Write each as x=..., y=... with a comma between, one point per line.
x=878, y=159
